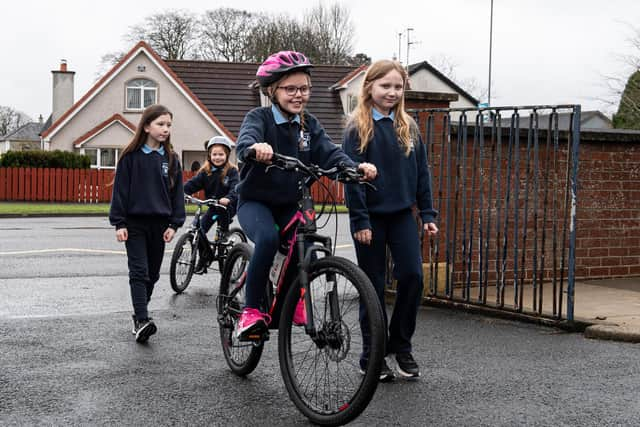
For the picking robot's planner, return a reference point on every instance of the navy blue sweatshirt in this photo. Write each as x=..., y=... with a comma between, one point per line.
x=311, y=145
x=141, y=188
x=213, y=187
x=401, y=181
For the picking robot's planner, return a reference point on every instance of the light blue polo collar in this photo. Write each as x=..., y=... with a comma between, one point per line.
x=377, y=115
x=148, y=150
x=280, y=118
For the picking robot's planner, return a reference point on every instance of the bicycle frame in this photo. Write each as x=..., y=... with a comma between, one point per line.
x=197, y=229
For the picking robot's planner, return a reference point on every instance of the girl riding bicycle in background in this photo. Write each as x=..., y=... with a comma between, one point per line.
x=267, y=201
x=218, y=178
x=381, y=132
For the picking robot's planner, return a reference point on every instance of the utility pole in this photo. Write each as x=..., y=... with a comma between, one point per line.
x=409, y=43
x=490, y=48
x=399, y=46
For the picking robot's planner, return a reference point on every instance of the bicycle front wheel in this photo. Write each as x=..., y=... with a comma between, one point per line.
x=321, y=371
x=241, y=356
x=183, y=261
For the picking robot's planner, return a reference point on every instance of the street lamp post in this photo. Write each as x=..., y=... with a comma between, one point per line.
x=490, y=48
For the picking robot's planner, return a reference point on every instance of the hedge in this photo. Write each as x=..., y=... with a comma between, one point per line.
x=45, y=159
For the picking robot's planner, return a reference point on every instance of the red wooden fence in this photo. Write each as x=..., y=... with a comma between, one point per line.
x=94, y=186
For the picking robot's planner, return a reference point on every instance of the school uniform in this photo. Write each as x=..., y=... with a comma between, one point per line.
x=401, y=183
x=268, y=200
x=216, y=188
x=144, y=203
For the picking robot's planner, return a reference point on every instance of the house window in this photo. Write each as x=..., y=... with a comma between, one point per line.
x=102, y=158
x=352, y=103
x=141, y=93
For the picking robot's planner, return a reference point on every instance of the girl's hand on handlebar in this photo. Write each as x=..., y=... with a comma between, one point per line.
x=369, y=170
x=264, y=152
x=224, y=201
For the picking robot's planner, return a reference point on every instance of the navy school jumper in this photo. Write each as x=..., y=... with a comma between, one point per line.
x=401, y=183
x=216, y=188
x=267, y=201
x=144, y=204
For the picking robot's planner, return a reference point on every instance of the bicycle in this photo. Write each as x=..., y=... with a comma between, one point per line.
x=319, y=361
x=186, y=255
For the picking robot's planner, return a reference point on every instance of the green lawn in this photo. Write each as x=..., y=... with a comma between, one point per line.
x=36, y=208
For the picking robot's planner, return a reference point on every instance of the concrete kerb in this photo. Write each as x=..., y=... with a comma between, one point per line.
x=613, y=332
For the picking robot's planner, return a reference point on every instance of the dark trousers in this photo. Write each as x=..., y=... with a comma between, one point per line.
x=262, y=224
x=222, y=216
x=399, y=231
x=145, y=249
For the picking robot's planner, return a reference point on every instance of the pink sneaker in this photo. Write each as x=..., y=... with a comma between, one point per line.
x=252, y=320
x=300, y=315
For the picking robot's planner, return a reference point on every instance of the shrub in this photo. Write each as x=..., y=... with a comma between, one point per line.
x=45, y=159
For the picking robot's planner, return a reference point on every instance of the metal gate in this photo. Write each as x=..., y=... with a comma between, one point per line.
x=504, y=183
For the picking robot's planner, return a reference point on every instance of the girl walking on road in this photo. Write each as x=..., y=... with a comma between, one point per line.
x=147, y=207
x=380, y=131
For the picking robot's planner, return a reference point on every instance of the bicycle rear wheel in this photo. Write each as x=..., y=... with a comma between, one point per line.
x=322, y=375
x=183, y=261
x=241, y=356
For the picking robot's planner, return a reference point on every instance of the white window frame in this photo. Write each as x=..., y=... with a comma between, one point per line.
x=98, y=157
x=144, y=86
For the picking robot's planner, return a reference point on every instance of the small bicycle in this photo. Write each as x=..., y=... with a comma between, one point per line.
x=319, y=360
x=186, y=256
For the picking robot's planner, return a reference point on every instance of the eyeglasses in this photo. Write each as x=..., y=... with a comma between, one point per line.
x=292, y=90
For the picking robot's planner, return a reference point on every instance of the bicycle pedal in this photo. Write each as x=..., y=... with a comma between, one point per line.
x=256, y=337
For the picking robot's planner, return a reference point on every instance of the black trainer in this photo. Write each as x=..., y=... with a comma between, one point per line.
x=407, y=366
x=135, y=324
x=386, y=373
x=146, y=328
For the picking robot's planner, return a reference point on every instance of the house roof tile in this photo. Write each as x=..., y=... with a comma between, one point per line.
x=27, y=132
x=228, y=91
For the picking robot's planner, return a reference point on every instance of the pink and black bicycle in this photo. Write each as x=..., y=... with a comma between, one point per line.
x=319, y=360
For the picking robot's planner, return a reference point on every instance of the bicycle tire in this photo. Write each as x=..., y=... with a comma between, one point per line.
x=182, y=263
x=241, y=356
x=234, y=236
x=324, y=379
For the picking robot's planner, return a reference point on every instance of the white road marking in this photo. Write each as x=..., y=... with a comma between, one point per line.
x=44, y=251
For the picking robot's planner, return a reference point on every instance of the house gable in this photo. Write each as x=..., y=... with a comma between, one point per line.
x=105, y=129
x=135, y=54
x=425, y=77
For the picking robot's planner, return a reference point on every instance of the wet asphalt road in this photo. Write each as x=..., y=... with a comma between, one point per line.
x=67, y=356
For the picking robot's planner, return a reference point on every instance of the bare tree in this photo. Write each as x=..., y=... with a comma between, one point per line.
x=225, y=34
x=11, y=119
x=272, y=34
x=331, y=32
x=172, y=34
x=447, y=66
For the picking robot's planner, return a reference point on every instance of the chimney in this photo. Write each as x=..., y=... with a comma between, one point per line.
x=62, y=90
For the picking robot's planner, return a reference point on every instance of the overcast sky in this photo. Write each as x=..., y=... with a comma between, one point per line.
x=544, y=51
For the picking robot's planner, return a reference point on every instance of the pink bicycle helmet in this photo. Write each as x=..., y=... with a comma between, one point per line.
x=281, y=63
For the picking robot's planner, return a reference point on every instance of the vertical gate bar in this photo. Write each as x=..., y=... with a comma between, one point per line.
x=574, y=202
x=433, y=250
x=472, y=210
x=536, y=170
x=556, y=295
x=498, y=120
x=463, y=149
x=565, y=220
x=516, y=211
x=525, y=220
x=454, y=240
x=487, y=242
x=447, y=137
x=480, y=139
x=507, y=201
x=545, y=206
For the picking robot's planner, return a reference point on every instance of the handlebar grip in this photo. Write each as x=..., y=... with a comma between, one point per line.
x=250, y=154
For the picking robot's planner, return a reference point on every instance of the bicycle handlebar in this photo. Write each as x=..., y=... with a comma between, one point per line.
x=343, y=172
x=207, y=202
